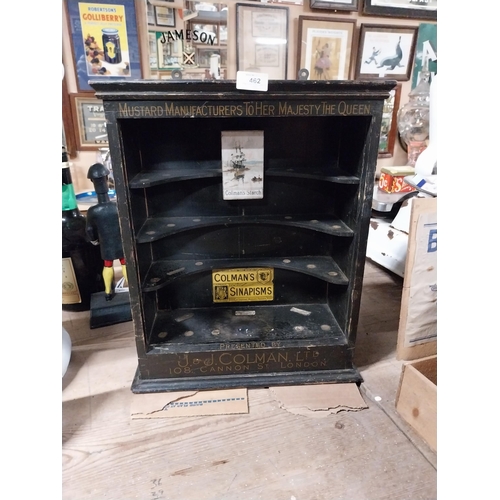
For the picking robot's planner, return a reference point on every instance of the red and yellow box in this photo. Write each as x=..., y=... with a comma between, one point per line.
x=392, y=179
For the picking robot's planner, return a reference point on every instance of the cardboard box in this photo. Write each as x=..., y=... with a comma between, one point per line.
x=392, y=179
x=416, y=400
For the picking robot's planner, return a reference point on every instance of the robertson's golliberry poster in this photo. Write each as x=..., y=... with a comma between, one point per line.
x=104, y=38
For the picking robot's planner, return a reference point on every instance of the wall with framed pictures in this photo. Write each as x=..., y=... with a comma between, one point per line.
x=331, y=39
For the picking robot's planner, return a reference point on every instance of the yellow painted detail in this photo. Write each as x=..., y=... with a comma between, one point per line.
x=110, y=49
x=108, y=273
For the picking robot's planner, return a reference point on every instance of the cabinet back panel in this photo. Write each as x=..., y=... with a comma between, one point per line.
x=204, y=197
x=334, y=140
x=239, y=242
x=190, y=198
x=195, y=291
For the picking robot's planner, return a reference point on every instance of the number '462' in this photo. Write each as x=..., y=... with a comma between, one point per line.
x=255, y=80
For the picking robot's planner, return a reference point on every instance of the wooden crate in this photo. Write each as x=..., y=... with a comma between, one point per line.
x=416, y=400
x=417, y=333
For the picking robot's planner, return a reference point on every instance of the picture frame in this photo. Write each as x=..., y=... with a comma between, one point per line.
x=88, y=40
x=203, y=56
x=385, y=52
x=153, y=51
x=262, y=39
x=210, y=29
x=150, y=13
x=344, y=5
x=412, y=9
x=389, y=127
x=68, y=129
x=89, y=122
x=288, y=2
x=223, y=34
x=169, y=54
x=164, y=16
x=326, y=49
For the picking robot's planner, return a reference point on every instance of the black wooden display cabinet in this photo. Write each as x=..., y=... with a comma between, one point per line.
x=306, y=238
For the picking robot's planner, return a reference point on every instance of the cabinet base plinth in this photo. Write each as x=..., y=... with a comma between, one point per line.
x=260, y=380
x=106, y=313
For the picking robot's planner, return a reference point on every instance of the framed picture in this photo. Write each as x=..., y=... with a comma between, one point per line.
x=325, y=47
x=169, y=53
x=349, y=5
x=104, y=40
x=389, y=128
x=223, y=34
x=153, y=50
x=150, y=13
x=262, y=40
x=164, y=16
x=89, y=122
x=68, y=129
x=203, y=56
x=207, y=32
x=386, y=52
x=289, y=2
x=414, y=9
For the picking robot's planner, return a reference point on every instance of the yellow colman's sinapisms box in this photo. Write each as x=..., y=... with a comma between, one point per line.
x=251, y=284
x=392, y=179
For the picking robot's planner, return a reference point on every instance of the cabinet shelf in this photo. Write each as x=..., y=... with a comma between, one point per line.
x=303, y=169
x=163, y=272
x=177, y=171
x=186, y=329
x=156, y=228
x=189, y=170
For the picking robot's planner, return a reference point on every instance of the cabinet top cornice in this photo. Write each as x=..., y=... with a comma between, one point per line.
x=226, y=89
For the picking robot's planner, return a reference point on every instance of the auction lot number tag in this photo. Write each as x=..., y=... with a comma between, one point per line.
x=246, y=80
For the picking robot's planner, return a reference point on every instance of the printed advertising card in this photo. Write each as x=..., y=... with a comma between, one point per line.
x=242, y=165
